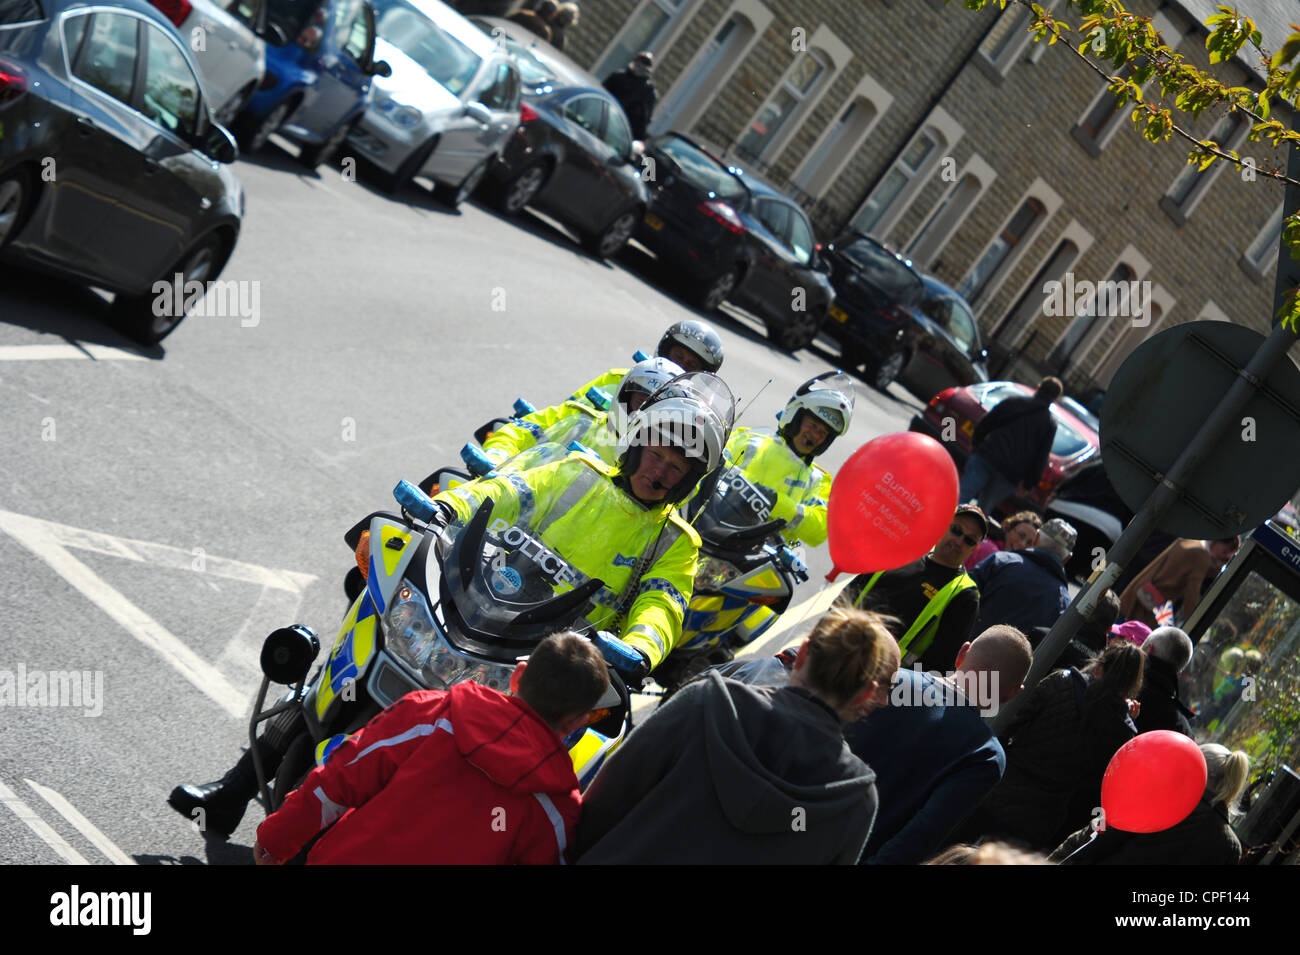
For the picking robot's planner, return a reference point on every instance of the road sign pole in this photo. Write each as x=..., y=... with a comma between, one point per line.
x=1225, y=416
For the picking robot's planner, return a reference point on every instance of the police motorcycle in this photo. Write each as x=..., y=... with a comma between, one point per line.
x=745, y=579
x=440, y=605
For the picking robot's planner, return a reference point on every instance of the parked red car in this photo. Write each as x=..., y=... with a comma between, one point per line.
x=1076, y=444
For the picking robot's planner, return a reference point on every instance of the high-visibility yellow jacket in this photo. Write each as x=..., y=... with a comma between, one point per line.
x=574, y=507
x=802, y=490
x=545, y=435
x=608, y=383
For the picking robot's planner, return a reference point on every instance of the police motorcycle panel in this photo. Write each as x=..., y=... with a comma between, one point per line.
x=745, y=581
x=441, y=606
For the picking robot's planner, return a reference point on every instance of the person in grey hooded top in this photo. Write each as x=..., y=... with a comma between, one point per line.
x=729, y=773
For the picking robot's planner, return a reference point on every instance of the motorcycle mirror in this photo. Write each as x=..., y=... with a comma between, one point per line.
x=287, y=654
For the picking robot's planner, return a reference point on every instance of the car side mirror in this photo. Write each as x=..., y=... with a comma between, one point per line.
x=275, y=35
x=219, y=145
x=479, y=113
x=380, y=68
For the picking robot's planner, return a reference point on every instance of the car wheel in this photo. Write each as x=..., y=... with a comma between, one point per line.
x=226, y=116
x=135, y=315
x=16, y=197
x=523, y=188
x=252, y=132
x=799, y=333
x=716, y=292
x=395, y=182
x=313, y=156
x=455, y=195
x=887, y=370
x=607, y=242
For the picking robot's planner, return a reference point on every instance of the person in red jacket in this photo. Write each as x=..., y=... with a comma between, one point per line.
x=460, y=776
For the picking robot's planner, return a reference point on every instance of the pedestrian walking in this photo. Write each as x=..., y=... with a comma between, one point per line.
x=634, y=89
x=1013, y=444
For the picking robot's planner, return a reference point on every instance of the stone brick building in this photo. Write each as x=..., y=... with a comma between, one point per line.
x=996, y=163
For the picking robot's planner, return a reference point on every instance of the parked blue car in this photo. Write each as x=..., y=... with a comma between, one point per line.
x=318, y=84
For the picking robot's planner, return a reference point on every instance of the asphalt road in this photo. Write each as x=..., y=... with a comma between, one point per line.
x=161, y=511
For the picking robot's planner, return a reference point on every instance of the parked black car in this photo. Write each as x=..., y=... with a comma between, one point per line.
x=572, y=155
x=111, y=167
x=730, y=237
x=893, y=321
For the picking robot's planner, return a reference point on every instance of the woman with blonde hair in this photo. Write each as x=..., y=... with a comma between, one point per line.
x=1205, y=837
x=733, y=773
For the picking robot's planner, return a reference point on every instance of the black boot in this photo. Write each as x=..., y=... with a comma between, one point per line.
x=223, y=802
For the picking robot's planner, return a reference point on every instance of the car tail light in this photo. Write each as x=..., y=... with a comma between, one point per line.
x=174, y=10
x=722, y=214
x=526, y=113
x=311, y=34
x=13, y=83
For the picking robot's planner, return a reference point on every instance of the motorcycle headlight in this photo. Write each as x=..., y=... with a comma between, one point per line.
x=406, y=116
x=409, y=627
x=714, y=573
x=416, y=640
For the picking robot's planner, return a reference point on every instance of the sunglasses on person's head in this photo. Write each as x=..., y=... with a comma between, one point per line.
x=956, y=531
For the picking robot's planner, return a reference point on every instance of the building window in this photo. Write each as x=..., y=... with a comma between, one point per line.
x=1132, y=337
x=798, y=85
x=950, y=213
x=908, y=167
x=1032, y=212
x=1193, y=182
x=1261, y=256
x=1007, y=40
x=1016, y=323
x=711, y=66
x=1112, y=300
x=647, y=28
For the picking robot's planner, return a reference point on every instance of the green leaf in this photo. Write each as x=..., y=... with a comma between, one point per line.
x=1286, y=52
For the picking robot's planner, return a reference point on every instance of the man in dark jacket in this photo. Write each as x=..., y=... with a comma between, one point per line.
x=1027, y=588
x=733, y=774
x=1168, y=652
x=635, y=91
x=935, y=757
x=1012, y=445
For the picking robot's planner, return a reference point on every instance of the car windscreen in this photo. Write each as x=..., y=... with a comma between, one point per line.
x=441, y=55
x=1082, y=413
x=883, y=271
x=702, y=172
x=534, y=69
x=952, y=314
x=291, y=15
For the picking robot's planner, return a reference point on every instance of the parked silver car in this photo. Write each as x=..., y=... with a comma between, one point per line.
x=448, y=108
x=226, y=39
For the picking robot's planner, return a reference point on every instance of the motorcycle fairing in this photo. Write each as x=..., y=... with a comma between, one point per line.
x=391, y=551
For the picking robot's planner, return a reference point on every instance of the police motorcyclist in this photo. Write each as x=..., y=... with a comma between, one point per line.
x=819, y=411
x=544, y=436
x=693, y=345
x=618, y=524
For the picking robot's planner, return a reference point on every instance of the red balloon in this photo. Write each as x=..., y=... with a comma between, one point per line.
x=890, y=503
x=1153, y=782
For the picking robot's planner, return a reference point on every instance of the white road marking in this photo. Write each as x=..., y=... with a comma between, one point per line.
x=38, y=825
x=206, y=678
x=50, y=352
x=175, y=558
x=81, y=823
x=274, y=608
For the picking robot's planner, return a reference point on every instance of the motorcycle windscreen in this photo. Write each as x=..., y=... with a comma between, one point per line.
x=736, y=506
x=509, y=589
